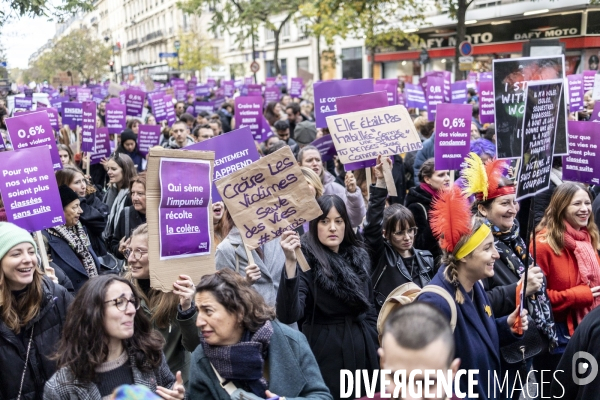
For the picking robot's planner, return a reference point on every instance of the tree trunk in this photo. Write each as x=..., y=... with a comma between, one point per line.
x=276, y=52
x=461, y=31
x=253, y=49
x=319, y=66
x=372, y=66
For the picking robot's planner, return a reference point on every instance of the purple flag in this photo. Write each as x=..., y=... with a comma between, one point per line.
x=88, y=125
x=452, y=135
x=116, y=118
x=296, y=87
x=29, y=190
x=583, y=162
x=23, y=103
x=390, y=86
x=588, y=80
x=459, y=92
x=148, y=137
x=33, y=130
x=272, y=94
x=435, y=95
x=415, y=97
x=183, y=216
x=248, y=112
x=103, y=143
x=158, y=105
x=234, y=150
x=71, y=115
x=486, y=102
x=170, y=110
x=134, y=101
x=325, y=94
x=575, y=92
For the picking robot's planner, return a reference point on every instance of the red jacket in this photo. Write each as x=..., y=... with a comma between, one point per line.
x=562, y=274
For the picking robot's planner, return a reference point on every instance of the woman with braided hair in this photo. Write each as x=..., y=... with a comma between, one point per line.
x=469, y=256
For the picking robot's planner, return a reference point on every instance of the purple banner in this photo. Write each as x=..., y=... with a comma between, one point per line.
x=88, y=126
x=272, y=94
x=170, y=110
x=435, y=95
x=391, y=87
x=228, y=88
x=415, y=97
x=208, y=106
x=486, y=102
x=29, y=190
x=23, y=103
x=71, y=115
x=158, y=106
x=575, y=92
x=116, y=119
x=583, y=162
x=83, y=94
x=103, y=143
x=452, y=135
x=296, y=87
x=234, y=150
x=148, y=137
x=459, y=92
x=248, y=112
x=588, y=80
x=325, y=147
x=325, y=94
x=134, y=101
x=183, y=215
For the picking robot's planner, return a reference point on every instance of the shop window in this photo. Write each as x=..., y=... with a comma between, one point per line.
x=270, y=67
x=302, y=63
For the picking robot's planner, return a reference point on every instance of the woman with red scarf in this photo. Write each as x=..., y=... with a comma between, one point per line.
x=418, y=201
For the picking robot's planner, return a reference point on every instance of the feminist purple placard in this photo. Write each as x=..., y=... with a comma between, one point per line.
x=228, y=88
x=327, y=92
x=23, y=103
x=208, y=106
x=588, y=81
x=325, y=146
x=33, y=130
x=415, y=97
x=486, y=102
x=148, y=137
x=458, y=92
x=575, y=92
x=253, y=90
x=583, y=162
x=272, y=94
x=52, y=115
x=185, y=192
x=434, y=94
x=103, y=143
x=170, y=110
x=57, y=101
x=202, y=90
x=452, y=135
x=83, y=94
x=296, y=86
x=116, y=118
x=248, y=112
x=180, y=90
x=134, y=102
x=270, y=81
x=234, y=150
x=29, y=189
x=391, y=87
x=88, y=127
x=158, y=105
x=71, y=114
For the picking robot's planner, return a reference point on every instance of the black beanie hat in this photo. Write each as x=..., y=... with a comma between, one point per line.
x=128, y=135
x=67, y=195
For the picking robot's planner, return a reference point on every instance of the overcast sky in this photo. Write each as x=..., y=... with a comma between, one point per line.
x=23, y=37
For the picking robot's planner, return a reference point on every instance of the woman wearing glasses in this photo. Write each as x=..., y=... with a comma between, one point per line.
x=172, y=314
x=390, y=235
x=106, y=343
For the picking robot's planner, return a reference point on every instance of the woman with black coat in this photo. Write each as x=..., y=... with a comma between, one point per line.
x=129, y=146
x=389, y=234
x=131, y=217
x=334, y=296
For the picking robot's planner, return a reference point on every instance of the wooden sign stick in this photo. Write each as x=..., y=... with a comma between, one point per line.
x=42, y=248
x=389, y=179
x=369, y=181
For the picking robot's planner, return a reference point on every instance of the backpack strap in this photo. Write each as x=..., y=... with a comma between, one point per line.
x=127, y=233
x=424, y=211
x=229, y=387
x=443, y=293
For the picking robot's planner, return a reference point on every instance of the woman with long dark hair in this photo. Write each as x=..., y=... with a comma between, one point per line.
x=335, y=297
x=106, y=343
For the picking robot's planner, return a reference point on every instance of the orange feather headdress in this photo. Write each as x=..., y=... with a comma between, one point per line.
x=483, y=180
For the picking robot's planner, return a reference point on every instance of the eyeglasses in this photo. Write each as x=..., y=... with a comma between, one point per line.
x=410, y=231
x=122, y=302
x=137, y=254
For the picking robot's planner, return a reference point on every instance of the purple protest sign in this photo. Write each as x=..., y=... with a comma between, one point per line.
x=588, y=81
x=33, y=130
x=183, y=215
x=415, y=97
x=325, y=146
x=116, y=118
x=486, y=102
x=296, y=86
x=452, y=135
x=575, y=85
x=202, y=90
x=148, y=137
x=52, y=115
x=248, y=80
x=57, y=101
x=583, y=164
x=486, y=76
x=170, y=110
x=434, y=94
x=23, y=103
x=191, y=84
x=445, y=75
x=211, y=82
x=459, y=92
x=266, y=131
x=83, y=94
x=234, y=150
x=254, y=90
x=103, y=149
x=158, y=105
x=88, y=126
x=71, y=115
x=2, y=145
x=228, y=88
x=248, y=112
x=272, y=94
x=595, y=115
x=180, y=90
x=134, y=102
x=472, y=80
x=391, y=87
x=270, y=81
x=72, y=91
x=29, y=189
x=208, y=106
x=325, y=94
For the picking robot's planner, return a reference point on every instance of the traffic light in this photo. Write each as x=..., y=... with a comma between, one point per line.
x=111, y=64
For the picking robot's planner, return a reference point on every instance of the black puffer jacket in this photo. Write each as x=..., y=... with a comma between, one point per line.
x=389, y=270
x=418, y=201
x=47, y=329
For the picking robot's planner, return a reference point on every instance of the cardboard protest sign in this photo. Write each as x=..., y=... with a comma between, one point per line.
x=148, y=137
x=391, y=87
x=134, y=101
x=29, y=189
x=415, y=97
x=296, y=86
x=583, y=162
x=102, y=149
x=23, y=103
x=249, y=112
x=588, y=80
x=72, y=114
x=158, y=105
x=327, y=92
x=88, y=127
x=33, y=130
x=116, y=118
x=458, y=91
x=233, y=151
x=452, y=135
x=179, y=216
x=325, y=146
x=486, y=102
x=542, y=108
x=434, y=94
x=269, y=197
x=510, y=77
x=575, y=92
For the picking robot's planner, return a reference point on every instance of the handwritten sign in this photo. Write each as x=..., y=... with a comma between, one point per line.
x=88, y=126
x=583, y=162
x=148, y=137
x=366, y=134
x=33, y=130
x=452, y=135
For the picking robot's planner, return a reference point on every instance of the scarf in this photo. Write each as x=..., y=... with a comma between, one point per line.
x=426, y=187
x=580, y=243
x=243, y=362
x=79, y=242
x=115, y=210
x=513, y=253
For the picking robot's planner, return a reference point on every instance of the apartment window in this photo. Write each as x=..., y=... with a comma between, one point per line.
x=269, y=35
x=302, y=63
x=215, y=52
x=285, y=30
x=352, y=61
x=270, y=67
x=303, y=29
